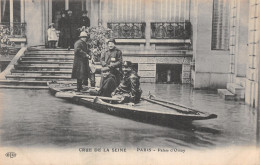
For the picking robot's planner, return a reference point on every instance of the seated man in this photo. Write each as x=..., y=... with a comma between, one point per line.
x=129, y=89
x=107, y=85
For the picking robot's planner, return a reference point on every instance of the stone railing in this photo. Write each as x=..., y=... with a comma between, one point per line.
x=15, y=29
x=127, y=30
x=171, y=30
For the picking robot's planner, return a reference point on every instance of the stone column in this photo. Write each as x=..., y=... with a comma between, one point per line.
x=11, y=15
x=0, y=11
x=258, y=101
x=66, y=4
x=82, y=5
x=186, y=70
x=22, y=11
x=105, y=13
x=94, y=12
x=148, y=10
x=258, y=77
x=50, y=11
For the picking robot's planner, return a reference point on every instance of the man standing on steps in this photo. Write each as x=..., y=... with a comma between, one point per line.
x=80, y=69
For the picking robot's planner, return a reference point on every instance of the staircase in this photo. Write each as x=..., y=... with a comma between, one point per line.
x=234, y=91
x=39, y=66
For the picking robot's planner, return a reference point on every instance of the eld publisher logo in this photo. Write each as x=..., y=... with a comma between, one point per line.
x=10, y=154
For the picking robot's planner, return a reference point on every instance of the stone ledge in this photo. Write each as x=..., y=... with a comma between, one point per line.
x=174, y=41
x=227, y=95
x=133, y=41
x=12, y=39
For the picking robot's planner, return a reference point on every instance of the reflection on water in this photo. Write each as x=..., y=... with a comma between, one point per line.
x=35, y=118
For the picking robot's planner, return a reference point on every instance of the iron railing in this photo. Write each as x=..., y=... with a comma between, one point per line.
x=171, y=30
x=127, y=30
x=15, y=29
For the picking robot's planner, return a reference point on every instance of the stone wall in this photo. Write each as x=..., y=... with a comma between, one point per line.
x=211, y=66
x=34, y=17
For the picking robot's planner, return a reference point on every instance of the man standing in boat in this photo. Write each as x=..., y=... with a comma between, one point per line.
x=112, y=59
x=129, y=89
x=80, y=69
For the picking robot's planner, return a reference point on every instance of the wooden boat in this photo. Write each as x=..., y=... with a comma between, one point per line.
x=150, y=109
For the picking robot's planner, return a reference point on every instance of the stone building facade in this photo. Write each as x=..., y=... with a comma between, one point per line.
x=206, y=43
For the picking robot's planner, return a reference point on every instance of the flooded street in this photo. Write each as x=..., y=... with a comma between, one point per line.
x=34, y=118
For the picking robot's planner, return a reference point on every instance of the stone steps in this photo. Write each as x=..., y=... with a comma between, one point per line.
x=24, y=87
x=41, y=72
x=23, y=83
x=60, y=63
x=38, y=66
x=49, y=52
x=225, y=94
x=51, y=55
x=234, y=91
x=54, y=59
x=33, y=77
x=237, y=89
x=44, y=68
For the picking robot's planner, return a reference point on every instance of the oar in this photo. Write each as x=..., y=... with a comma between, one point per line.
x=167, y=102
x=71, y=95
x=176, y=108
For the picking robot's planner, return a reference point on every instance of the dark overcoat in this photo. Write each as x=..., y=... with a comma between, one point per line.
x=113, y=59
x=81, y=62
x=84, y=21
x=64, y=32
x=108, y=85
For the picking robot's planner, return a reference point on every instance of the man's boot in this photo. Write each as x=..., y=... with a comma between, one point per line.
x=79, y=85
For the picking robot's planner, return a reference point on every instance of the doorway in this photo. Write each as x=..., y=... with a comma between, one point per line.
x=58, y=5
x=168, y=73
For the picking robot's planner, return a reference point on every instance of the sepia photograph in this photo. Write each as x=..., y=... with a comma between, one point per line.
x=129, y=82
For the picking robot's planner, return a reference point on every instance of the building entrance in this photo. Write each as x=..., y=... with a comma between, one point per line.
x=168, y=73
x=76, y=6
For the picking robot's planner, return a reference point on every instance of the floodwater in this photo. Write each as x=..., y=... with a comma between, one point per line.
x=34, y=118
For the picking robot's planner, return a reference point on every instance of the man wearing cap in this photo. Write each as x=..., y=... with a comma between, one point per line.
x=107, y=85
x=112, y=59
x=129, y=89
x=80, y=69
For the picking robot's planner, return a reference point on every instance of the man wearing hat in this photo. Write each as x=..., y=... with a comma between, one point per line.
x=129, y=89
x=107, y=85
x=112, y=59
x=80, y=69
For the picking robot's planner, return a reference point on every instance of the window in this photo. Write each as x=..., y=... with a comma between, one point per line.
x=220, y=25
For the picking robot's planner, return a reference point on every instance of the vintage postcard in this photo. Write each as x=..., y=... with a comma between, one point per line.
x=126, y=82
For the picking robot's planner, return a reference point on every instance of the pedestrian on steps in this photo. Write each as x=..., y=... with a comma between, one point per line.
x=52, y=36
x=80, y=69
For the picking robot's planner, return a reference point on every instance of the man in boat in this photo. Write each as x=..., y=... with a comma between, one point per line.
x=112, y=59
x=107, y=85
x=80, y=70
x=129, y=89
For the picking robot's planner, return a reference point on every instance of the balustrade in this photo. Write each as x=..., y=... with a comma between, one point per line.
x=170, y=30
x=15, y=29
x=127, y=30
